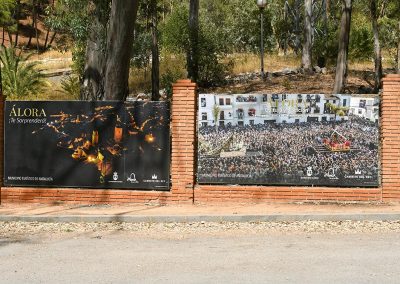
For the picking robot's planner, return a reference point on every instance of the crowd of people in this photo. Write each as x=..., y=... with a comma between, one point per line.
x=283, y=153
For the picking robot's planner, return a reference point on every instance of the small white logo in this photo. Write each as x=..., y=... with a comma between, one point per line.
x=132, y=178
x=115, y=176
x=154, y=176
x=358, y=172
x=331, y=173
x=309, y=171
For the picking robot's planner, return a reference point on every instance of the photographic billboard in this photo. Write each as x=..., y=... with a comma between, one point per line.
x=87, y=144
x=288, y=139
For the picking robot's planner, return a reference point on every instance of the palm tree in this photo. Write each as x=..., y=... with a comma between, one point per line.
x=71, y=87
x=20, y=79
x=215, y=111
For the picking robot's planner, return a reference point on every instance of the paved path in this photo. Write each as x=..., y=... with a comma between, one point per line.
x=196, y=213
x=116, y=257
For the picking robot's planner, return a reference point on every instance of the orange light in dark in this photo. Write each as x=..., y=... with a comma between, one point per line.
x=149, y=138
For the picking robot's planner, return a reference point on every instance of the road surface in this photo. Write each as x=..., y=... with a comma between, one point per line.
x=231, y=256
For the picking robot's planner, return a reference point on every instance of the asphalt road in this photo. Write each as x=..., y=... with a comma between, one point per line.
x=120, y=257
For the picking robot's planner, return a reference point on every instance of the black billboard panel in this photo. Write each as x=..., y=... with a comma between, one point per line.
x=289, y=139
x=87, y=144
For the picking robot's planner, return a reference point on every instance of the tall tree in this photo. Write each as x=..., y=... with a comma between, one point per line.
x=192, y=56
x=377, y=46
x=344, y=38
x=306, y=59
x=6, y=18
x=326, y=8
x=16, y=16
x=155, y=62
x=95, y=56
x=119, y=48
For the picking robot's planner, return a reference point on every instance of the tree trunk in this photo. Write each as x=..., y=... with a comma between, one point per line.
x=119, y=48
x=48, y=34
x=33, y=25
x=296, y=9
x=52, y=38
x=344, y=37
x=95, y=58
x=10, y=38
x=155, y=61
x=285, y=43
x=47, y=39
x=17, y=12
x=306, y=59
x=35, y=16
x=323, y=59
x=193, y=54
x=377, y=47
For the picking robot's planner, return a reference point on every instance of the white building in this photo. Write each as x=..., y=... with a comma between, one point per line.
x=365, y=106
x=250, y=109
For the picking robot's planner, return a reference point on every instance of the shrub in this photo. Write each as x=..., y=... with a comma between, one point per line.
x=20, y=78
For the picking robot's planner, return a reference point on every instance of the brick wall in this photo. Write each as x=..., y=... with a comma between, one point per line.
x=389, y=190
x=391, y=139
x=184, y=189
x=182, y=169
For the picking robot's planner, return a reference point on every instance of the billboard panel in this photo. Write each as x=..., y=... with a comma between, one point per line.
x=288, y=139
x=87, y=144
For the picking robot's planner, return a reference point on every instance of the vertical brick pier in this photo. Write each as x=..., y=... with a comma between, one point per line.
x=390, y=134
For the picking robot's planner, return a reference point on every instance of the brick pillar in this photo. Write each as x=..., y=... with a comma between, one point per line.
x=391, y=138
x=183, y=127
x=1, y=140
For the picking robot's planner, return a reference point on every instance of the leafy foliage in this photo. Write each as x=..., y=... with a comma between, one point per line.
x=73, y=17
x=20, y=78
x=361, y=39
x=71, y=86
x=210, y=52
x=6, y=14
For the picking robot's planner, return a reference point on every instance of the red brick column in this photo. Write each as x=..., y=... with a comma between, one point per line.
x=391, y=138
x=184, y=109
x=1, y=139
x=183, y=129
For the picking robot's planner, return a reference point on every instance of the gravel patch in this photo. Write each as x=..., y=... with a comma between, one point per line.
x=183, y=230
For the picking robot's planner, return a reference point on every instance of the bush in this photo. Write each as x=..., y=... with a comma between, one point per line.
x=71, y=87
x=167, y=79
x=20, y=78
x=175, y=33
x=361, y=39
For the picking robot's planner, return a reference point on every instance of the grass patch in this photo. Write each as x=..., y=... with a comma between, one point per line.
x=140, y=78
x=250, y=62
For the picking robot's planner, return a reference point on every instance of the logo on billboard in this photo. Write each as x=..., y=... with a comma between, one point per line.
x=132, y=178
x=331, y=173
x=115, y=176
x=154, y=176
x=309, y=171
x=357, y=172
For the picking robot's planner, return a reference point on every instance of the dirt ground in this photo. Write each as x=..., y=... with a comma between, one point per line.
x=359, y=82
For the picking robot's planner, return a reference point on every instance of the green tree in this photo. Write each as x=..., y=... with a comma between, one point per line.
x=20, y=79
x=7, y=22
x=216, y=110
x=72, y=18
x=176, y=38
x=71, y=86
